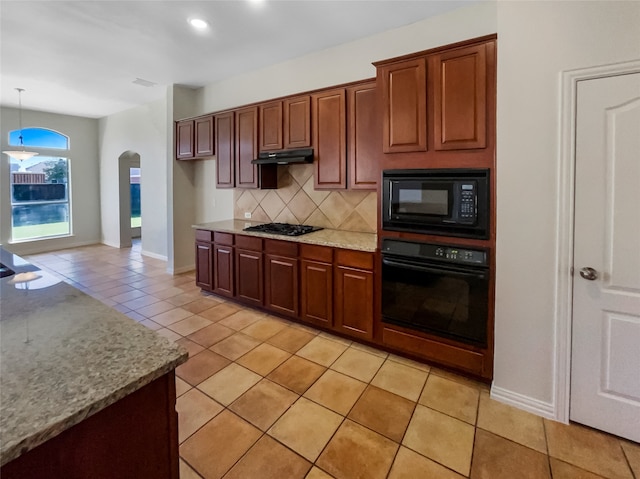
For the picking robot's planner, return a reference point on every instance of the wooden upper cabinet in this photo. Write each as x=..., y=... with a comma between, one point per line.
x=297, y=122
x=184, y=139
x=246, y=147
x=271, y=126
x=204, y=138
x=404, y=101
x=460, y=98
x=194, y=138
x=364, y=132
x=329, y=139
x=225, y=149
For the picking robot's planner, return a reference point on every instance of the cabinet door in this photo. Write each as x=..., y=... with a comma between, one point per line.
x=363, y=136
x=203, y=266
x=281, y=283
x=329, y=139
x=353, y=296
x=460, y=98
x=297, y=122
x=184, y=139
x=246, y=147
x=249, y=281
x=225, y=150
x=271, y=126
x=404, y=102
x=317, y=292
x=223, y=271
x=204, y=137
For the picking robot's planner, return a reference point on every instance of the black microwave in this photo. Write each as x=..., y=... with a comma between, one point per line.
x=449, y=202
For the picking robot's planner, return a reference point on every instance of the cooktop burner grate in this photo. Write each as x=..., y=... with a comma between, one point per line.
x=283, y=229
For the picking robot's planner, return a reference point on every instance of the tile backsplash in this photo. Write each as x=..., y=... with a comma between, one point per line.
x=295, y=201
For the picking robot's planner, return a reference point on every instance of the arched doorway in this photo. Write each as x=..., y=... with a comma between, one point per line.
x=129, y=188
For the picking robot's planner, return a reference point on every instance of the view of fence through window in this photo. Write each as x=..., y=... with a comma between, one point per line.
x=134, y=185
x=40, y=198
x=40, y=188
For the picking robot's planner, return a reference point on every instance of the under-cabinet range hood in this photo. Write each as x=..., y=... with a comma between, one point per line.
x=284, y=157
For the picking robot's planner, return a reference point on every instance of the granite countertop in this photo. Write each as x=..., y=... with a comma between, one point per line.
x=326, y=237
x=81, y=357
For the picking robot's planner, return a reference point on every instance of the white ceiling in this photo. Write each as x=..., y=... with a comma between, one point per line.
x=81, y=57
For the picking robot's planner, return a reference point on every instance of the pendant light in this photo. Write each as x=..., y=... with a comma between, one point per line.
x=20, y=154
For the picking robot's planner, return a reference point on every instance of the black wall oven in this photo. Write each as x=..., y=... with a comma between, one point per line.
x=436, y=289
x=450, y=202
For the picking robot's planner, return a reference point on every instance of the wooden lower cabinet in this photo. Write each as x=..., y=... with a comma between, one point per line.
x=332, y=288
x=204, y=273
x=136, y=436
x=316, y=292
x=223, y=271
x=249, y=282
x=281, y=283
x=353, y=297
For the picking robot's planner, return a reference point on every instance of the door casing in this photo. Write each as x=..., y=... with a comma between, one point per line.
x=565, y=232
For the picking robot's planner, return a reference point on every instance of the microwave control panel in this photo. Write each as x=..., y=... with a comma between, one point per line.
x=428, y=251
x=467, y=206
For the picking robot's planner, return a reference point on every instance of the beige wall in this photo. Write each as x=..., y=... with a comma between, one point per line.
x=85, y=172
x=140, y=130
x=537, y=41
x=333, y=66
x=295, y=201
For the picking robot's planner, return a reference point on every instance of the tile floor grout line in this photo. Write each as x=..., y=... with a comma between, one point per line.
x=131, y=271
x=624, y=454
x=546, y=445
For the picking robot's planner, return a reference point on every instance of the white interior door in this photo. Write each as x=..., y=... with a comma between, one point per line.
x=605, y=358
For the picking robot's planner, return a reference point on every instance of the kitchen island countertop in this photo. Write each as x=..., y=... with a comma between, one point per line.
x=81, y=356
x=326, y=237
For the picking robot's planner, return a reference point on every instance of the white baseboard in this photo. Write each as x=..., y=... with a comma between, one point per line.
x=154, y=255
x=526, y=403
x=44, y=246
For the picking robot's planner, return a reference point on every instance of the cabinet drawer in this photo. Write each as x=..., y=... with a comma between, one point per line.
x=450, y=355
x=204, y=235
x=223, y=238
x=354, y=259
x=284, y=248
x=315, y=252
x=249, y=242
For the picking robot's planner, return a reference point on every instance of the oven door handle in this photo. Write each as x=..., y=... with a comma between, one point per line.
x=434, y=269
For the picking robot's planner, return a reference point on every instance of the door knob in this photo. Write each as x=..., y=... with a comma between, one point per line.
x=589, y=273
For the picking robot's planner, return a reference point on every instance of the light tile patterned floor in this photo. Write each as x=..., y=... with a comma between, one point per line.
x=265, y=398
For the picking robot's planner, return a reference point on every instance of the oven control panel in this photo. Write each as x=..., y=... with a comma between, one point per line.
x=429, y=251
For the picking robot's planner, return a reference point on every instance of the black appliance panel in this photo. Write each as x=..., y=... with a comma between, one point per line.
x=440, y=290
x=450, y=202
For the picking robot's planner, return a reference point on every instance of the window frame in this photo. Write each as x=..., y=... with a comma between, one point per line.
x=44, y=154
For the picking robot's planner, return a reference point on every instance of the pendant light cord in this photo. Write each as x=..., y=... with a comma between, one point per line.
x=20, y=90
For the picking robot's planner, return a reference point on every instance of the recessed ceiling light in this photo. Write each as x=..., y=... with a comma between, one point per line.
x=198, y=23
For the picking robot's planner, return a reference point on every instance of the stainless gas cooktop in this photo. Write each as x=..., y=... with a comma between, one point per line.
x=283, y=229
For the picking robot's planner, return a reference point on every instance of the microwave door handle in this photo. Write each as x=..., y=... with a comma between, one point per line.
x=428, y=269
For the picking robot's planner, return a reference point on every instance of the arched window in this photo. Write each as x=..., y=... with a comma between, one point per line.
x=39, y=138
x=40, y=187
